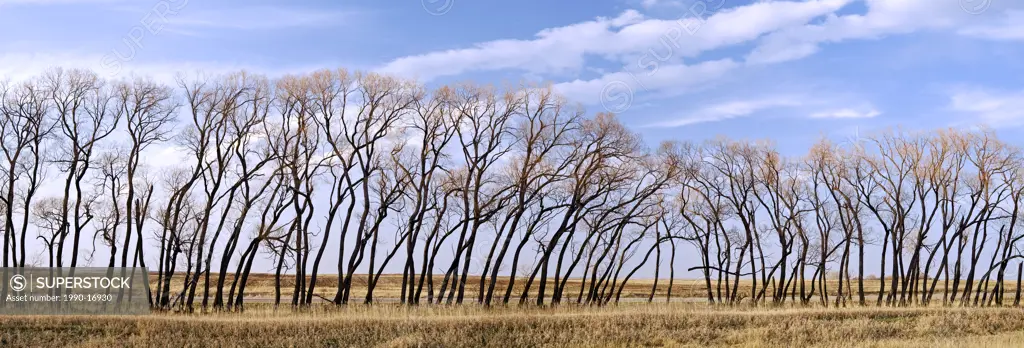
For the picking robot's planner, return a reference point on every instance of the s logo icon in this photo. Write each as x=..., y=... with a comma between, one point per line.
x=18, y=282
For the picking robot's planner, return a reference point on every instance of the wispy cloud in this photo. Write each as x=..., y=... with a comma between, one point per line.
x=847, y=113
x=729, y=110
x=672, y=79
x=797, y=105
x=54, y=2
x=883, y=18
x=23, y=66
x=997, y=109
x=1010, y=27
x=260, y=18
x=621, y=38
x=648, y=4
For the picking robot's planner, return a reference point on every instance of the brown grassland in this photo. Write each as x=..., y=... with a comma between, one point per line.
x=260, y=287
x=629, y=324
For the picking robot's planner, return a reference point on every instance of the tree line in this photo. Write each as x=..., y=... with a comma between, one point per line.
x=514, y=184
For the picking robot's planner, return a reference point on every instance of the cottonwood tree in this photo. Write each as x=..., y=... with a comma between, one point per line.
x=482, y=121
x=149, y=111
x=46, y=213
x=113, y=172
x=433, y=125
x=330, y=93
x=25, y=127
x=254, y=158
x=543, y=137
x=85, y=112
x=381, y=102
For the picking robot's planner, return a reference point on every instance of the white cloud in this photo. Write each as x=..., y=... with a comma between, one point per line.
x=795, y=104
x=847, y=113
x=624, y=38
x=653, y=50
x=648, y=4
x=675, y=78
x=554, y=49
x=53, y=2
x=260, y=18
x=883, y=17
x=1011, y=27
x=22, y=66
x=731, y=109
x=997, y=109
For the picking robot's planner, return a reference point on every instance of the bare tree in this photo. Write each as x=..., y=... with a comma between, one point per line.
x=25, y=126
x=149, y=110
x=86, y=115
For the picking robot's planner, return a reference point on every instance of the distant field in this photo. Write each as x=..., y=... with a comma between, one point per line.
x=260, y=288
x=636, y=325
x=389, y=287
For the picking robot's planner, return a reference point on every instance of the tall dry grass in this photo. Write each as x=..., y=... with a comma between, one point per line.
x=640, y=325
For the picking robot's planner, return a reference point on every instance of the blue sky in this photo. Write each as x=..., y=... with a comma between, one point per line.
x=791, y=71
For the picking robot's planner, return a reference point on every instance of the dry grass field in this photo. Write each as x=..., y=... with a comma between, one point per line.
x=630, y=324
x=678, y=325
x=260, y=288
x=389, y=287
